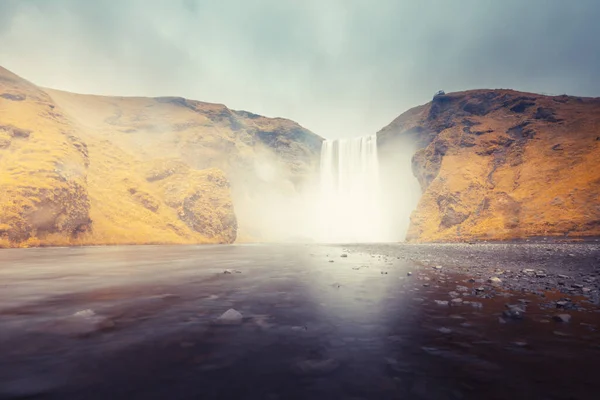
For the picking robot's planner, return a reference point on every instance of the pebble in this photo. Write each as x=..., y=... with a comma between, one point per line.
x=457, y=301
x=445, y=330
x=562, y=318
x=561, y=304
x=494, y=280
x=438, y=267
x=453, y=294
x=231, y=316
x=316, y=367
x=514, y=312
x=344, y=255
x=408, y=273
x=441, y=302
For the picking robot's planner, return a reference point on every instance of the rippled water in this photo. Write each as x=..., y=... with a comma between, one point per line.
x=142, y=322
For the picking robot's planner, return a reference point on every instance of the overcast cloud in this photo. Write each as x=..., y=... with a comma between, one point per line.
x=339, y=68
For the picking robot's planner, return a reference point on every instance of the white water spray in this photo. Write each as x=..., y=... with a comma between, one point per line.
x=350, y=192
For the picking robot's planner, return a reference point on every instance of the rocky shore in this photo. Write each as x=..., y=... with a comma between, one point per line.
x=566, y=271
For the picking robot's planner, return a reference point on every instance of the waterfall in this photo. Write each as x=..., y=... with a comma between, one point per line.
x=350, y=198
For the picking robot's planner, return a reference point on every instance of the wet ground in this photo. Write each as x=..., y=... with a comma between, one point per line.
x=310, y=322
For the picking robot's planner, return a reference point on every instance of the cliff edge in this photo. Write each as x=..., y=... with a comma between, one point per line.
x=502, y=164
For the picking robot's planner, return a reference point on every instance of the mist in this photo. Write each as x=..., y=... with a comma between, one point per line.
x=340, y=68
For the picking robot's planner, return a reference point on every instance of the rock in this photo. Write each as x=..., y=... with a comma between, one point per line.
x=232, y=271
x=514, y=312
x=494, y=280
x=457, y=301
x=330, y=260
x=445, y=330
x=480, y=289
x=540, y=275
x=231, y=316
x=558, y=333
x=476, y=304
x=438, y=267
x=586, y=290
x=462, y=288
x=528, y=271
x=344, y=255
x=441, y=302
x=316, y=367
x=453, y=294
x=577, y=286
x=85, y=313
x=409, y=273
x=563, y=276
x=561, y=304
x=562, y=318
x=384, y=273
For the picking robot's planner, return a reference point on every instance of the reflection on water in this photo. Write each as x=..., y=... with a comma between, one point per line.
x=141, y=322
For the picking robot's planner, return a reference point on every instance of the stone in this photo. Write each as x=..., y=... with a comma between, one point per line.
x=438, y=267
x=561, y=304
x=513, y=312
x=441, y=302
x=462, y=288
x=231, y=316
x=563, y=276
x=444, y=330
x=480, y=289
x=562, y=318
x=453, y=294
x=409, y=273
x=316, y=367
x=494, y=280
x=457, y=301
x=476, y=304
x=344, y=255
x=528, y=271
x=577, y=286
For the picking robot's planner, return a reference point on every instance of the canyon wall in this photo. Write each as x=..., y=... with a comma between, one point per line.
x=501, y=164
x=83, y=169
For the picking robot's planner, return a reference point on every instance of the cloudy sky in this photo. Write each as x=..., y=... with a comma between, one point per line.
x=341, y=68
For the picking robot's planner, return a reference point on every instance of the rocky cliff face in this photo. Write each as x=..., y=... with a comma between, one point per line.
x=78, y=169
x=500, y=164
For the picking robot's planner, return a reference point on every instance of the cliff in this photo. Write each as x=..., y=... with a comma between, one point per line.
x=83, y=169
x=501, y=164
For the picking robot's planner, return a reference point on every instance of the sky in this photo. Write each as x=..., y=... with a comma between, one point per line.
x=341, y=68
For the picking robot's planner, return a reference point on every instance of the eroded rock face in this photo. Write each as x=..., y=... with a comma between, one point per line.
x=500, y=164
x=43, y=184
x=80, y=169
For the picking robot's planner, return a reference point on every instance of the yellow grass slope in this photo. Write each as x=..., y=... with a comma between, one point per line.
x=81, y=169
x=500, y=164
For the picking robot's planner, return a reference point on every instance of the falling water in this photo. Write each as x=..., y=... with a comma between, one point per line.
x=350, y=199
